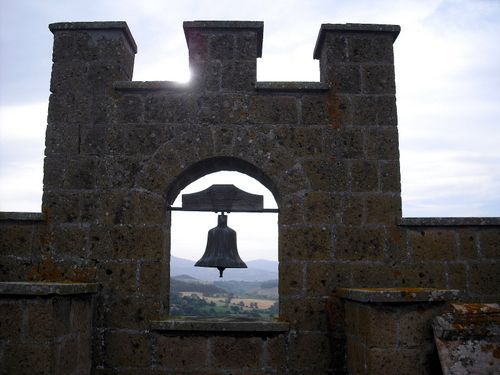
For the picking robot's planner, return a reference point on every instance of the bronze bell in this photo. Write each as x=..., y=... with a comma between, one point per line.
x=221, y=251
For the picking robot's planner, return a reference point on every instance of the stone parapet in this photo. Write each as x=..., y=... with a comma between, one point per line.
x=45, y=288
x=214, y=325
x=449, y=221
x=468, y=339
x=389, y=331
x=397, y=295
x=222, y=54
x=21, y=216
x=46, y=328
x=353, y=28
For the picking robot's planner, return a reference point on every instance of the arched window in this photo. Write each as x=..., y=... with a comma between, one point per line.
x=247, y=292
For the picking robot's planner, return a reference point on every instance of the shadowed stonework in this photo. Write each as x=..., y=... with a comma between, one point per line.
x=118, y=152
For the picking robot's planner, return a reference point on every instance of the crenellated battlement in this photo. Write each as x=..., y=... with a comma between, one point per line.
x=118, y=152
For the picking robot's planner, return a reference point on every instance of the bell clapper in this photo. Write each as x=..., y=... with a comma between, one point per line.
x=221, y=269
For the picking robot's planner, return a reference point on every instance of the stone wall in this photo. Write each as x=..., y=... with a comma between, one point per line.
x=45, y=328
x=118, y=152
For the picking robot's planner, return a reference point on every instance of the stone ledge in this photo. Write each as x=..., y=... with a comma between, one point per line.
x=150, y=86
x=22, y=216
x=257, y=26
x=397, y=295
x=291, y=86
x=221, y=325
x=96, y=25
x=45, y=288
x=352, y=28
x=448, y=221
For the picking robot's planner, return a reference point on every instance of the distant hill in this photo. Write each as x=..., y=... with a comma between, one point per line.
x=193, y=285
x=258, y=270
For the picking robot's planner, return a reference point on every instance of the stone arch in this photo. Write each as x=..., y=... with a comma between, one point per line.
x=202, y=168
x=216, y=164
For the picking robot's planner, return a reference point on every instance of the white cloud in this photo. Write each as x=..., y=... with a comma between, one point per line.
x=446, y=73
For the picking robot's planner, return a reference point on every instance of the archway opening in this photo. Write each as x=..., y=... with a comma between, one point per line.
x=247, y=292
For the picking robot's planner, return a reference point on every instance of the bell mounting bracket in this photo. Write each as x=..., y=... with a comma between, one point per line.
x=223, y=198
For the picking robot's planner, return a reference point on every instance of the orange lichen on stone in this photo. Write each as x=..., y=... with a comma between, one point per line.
x=334, y=112
x=49, y=270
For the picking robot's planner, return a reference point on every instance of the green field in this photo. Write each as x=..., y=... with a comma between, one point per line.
x=191, y=297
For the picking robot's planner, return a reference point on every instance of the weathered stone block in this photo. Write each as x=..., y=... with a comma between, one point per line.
x=396, y=249
x=66, y=356
x=345, y=143
x=305, y=243
x=467, y=244
x=127, y=349
x=302, y=313
x=140, y=140
x=169, y=109
x=382, y=144
x=132, y=313
x=41, y=322
x=293, y=180
x=236, y=352
x=457, y=276
x=311, y=351
x=368, y=48
x=130, y=109
x=328, y=175
x=322, y=208
x=415, y=324
x=378, y=326
x=323, y=278
x=431, y=275
x=433, y=244
x=378, y=79
x=69, y=109
x=344, y=78
x=356, y=358
x=293, y=282
x=118, y=278
x=118, y=171
x=334, y=50
x=16, y=238
x=61, y=138
x=374, y=110
x=62, y=207
x=363, y=175
x=359, y=243
x=301, y=141
x=131, y=207
x=134, y=242
x=383, y=209
x=11, y=319
x=68, y=240
x=275, y=352
x=490, y=243
x=314, y=110
x=393, y=362
x=221, y=46
x=390, y=178
x=28, y=358
x=206, y=75
x=353, y=209
x=150, y=279
x=239, y=75
x=182, y=352
x=484, y=278
x=291, y=210
x=376, y=275
x=265, y=109
x=81, y=315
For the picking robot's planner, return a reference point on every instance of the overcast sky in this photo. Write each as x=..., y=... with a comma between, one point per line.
x=447, y=76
